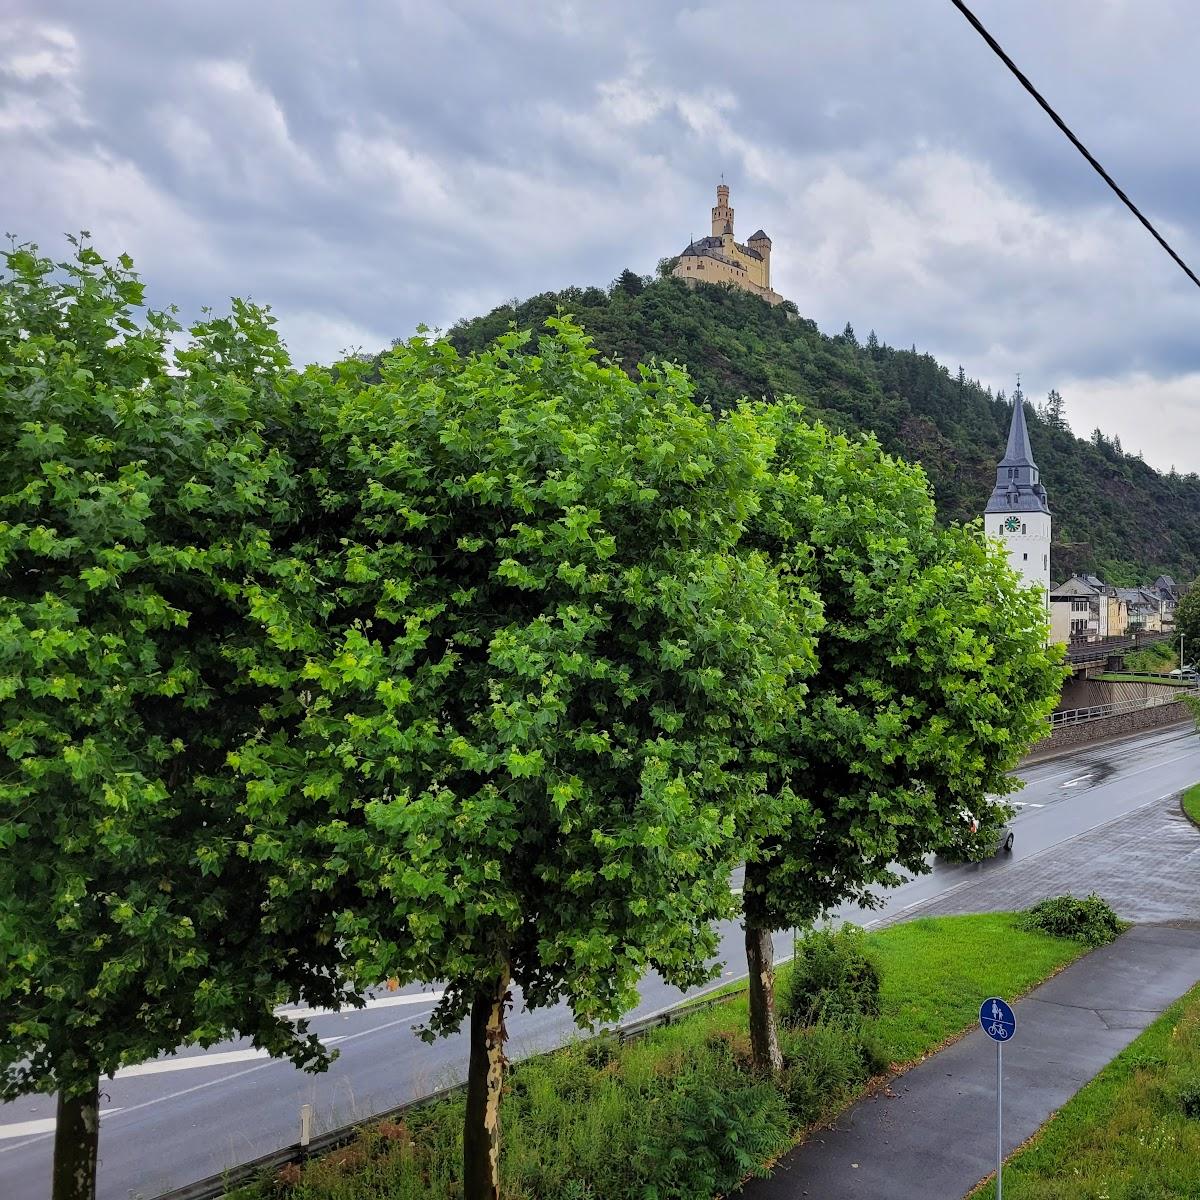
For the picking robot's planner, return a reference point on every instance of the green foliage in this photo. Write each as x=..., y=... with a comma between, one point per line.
x=139, y=488
x=1187, y=622
x=824, y=1065
x=603, y=1121
x=518, y=673
x=1155, y=659
x=1107, y=504
x=1189, y=1097
x=1091, y=921
x=933, y=677
x=833, y=978
x=713, y=1137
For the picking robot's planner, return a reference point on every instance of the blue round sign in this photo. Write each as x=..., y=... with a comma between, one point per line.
x=997, y=1019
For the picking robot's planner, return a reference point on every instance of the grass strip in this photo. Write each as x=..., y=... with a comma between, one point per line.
x=1191, y=802
x=1133, y=1133
x=679, y=1110
x=1165, y=680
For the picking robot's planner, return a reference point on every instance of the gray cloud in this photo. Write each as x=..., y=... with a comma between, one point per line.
x=368, y=168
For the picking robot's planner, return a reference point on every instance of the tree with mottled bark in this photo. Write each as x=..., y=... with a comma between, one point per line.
x=933, y=677
x=139, y=488
x=521, y=668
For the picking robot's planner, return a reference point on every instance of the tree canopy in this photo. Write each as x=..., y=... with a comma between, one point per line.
x=1113, y=514
x=520, y=674
x=932, y=678
x=137, y=490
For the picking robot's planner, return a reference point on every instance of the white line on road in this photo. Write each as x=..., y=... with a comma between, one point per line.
x=162, y=1066
x=376, y=1002
x=46, y=1125
x=1074, y=782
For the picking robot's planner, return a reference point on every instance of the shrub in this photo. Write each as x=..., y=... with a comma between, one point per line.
x=712, y=1135
x=1189, y=1098
x=822, y=1065
x=833, y=979
x=1091, y=921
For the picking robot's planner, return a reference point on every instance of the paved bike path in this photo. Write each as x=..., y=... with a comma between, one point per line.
x=931, y=1133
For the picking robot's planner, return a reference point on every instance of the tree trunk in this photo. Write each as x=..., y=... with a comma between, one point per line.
x=485, y=1077
x=76, y=1138
x=764, y=1033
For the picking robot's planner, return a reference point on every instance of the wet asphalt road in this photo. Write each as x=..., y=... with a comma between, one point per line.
x=189, y=1116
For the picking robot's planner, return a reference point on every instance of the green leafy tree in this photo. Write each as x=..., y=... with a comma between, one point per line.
x=1187, y=622
x=519, y=683
x=933, y=677
x=734, y=344
x=137, y=490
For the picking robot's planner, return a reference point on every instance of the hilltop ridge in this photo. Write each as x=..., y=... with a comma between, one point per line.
x=1114, y=514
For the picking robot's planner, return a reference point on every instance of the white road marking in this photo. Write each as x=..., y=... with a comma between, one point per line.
x=46, y=1125
x=163, y=1066
x=1074, y=782
x=45, y=1128
x=1026, y=804
x=376, y=1002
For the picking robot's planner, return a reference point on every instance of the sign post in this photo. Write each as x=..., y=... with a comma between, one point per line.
x=999, y=1024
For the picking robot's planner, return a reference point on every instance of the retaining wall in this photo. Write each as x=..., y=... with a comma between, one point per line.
x=1104, y=728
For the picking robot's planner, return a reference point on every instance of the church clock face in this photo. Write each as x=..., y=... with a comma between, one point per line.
x=1012, y=524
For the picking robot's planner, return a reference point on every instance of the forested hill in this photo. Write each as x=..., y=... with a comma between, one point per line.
x=1113, y=514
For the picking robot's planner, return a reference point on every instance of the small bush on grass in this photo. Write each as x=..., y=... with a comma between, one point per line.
x=1189, y=1098
x=834, y=978
x=708, y=1138
x=1091, y=921
x=824, y=1065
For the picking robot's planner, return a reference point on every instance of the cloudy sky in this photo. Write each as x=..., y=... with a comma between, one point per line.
x=364, y=167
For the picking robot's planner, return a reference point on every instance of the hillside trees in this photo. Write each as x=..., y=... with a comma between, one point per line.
x=519, y=676
x=136, y=492
x=1110, y=509
x=932, y=678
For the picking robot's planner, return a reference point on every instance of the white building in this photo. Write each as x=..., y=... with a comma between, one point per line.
x=1017, y=512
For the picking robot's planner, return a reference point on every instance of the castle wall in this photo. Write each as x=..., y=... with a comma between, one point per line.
x=695, y=268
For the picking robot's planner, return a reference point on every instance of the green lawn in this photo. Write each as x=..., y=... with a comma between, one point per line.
x=679, y=1110
x=1128, y=1135
x=937, y=969
x=1191, y=802
x=1126, y=677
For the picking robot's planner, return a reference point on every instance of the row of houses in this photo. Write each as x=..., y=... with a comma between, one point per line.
x=1085, y=609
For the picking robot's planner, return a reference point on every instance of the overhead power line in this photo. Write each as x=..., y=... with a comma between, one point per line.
x=1112, y=183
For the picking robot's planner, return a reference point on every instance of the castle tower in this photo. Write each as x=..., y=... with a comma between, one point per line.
x=760, y=242
x=1017, y=512
x=722, y=214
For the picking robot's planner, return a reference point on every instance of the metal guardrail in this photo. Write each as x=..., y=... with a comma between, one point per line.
x=1078, y=716
x=216, y=1186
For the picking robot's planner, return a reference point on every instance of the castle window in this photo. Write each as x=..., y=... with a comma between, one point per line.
x=1024, y=557
x=1022, y=526
x=1012, y=472
x=1045, y=562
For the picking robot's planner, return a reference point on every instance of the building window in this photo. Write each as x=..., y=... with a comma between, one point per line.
x=1022, y=527
x=1045, y=562
x=1012, y=472
x=1024, y=557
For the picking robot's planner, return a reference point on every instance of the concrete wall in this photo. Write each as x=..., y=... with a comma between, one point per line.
x=1111, y=727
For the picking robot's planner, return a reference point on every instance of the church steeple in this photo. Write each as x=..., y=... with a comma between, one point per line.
x=1018, y=488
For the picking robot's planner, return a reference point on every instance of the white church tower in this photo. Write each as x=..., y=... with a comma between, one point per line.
x=1017, y=512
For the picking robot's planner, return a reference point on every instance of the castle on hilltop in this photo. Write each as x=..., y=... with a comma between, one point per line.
x=721, y=259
